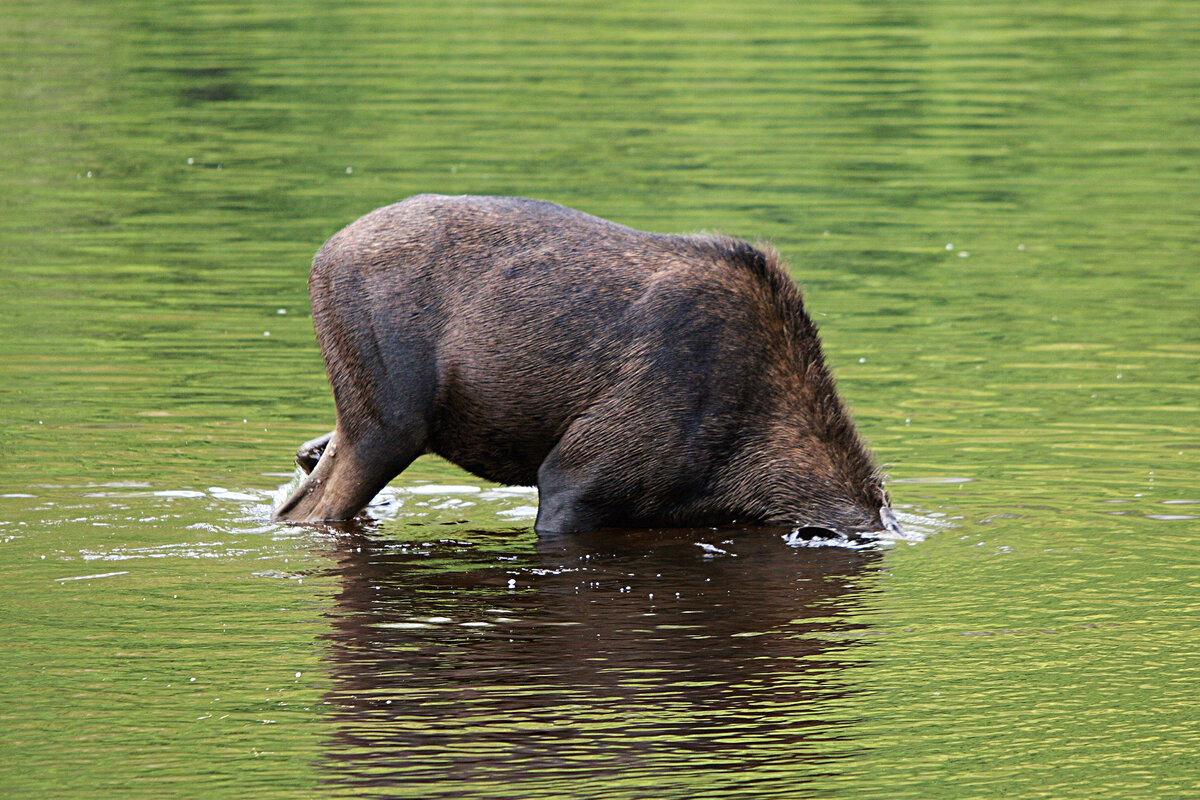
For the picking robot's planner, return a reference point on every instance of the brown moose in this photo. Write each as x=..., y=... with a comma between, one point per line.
x=636, y=379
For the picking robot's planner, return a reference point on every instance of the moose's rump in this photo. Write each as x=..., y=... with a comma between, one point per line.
x=503, y=320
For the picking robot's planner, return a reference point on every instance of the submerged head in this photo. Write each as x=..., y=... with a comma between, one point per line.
x=837, y=514
x=823, y=477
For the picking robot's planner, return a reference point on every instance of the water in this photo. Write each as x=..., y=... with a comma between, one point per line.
x=993, y=212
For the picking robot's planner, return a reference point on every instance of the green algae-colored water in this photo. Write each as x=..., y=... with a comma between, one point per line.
x=993, y=210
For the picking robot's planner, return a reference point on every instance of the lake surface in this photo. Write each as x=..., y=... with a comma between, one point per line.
x=993, y=211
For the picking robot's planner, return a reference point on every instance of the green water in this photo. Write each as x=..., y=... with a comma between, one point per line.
x=993, y=209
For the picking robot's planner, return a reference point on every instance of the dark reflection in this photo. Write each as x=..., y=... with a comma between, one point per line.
x=469, y=657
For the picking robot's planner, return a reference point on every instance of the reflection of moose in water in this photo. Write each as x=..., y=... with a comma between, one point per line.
x=463, y=662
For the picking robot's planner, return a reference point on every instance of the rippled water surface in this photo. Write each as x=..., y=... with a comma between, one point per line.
x=992, y=210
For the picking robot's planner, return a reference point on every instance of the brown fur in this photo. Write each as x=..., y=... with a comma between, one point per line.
x=635, y=378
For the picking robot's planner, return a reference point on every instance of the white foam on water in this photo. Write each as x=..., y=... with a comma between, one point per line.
x=915, y=528
x=520, y=512
x=440, y=488
x=226, y=494
x=794, y=539
x=504, y=491
x=91, y=577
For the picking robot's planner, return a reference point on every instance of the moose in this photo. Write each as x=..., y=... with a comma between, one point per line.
x=636, y=379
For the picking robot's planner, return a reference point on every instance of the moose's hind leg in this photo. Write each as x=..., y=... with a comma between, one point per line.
x=310, y=452
x=347, y=476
